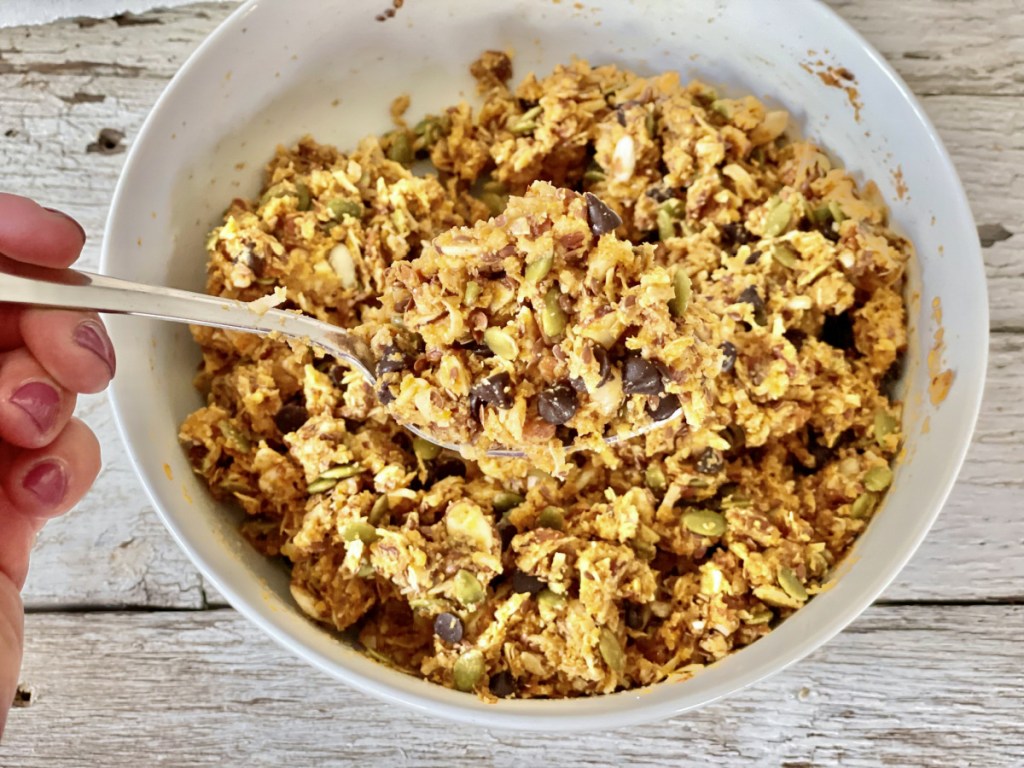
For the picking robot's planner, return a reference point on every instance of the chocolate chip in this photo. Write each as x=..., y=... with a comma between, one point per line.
x=495, y=390
x=659, y=193
x=447, y=467
x=640, y=376
x=753, y=257
x=637, y=616
x=477, y=348
x=735, y=234
x=385, y=395
x=728, y=356
x=337, y=374
x=753, y=298
x=837, y=331
x=448, y=627
x=291, y=417
x=525, y=583
x=710, y=462
x=502, y=684
x=557, y=404
x=507, y=531
x=602, y=218
x=667, y=405
x=392, y=360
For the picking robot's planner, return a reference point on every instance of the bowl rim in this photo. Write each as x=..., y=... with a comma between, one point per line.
x=568, y=714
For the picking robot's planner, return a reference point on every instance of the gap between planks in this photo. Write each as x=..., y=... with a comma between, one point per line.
x=909, y=686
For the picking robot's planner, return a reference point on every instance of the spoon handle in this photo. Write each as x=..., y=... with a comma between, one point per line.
x=75, y=289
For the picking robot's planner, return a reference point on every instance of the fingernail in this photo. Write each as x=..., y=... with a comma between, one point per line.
x=92, y=336
x=47, y=481
x=40, y=401
x=73, y=221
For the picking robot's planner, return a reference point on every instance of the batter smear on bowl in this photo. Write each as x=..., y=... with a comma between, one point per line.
x=728, y=250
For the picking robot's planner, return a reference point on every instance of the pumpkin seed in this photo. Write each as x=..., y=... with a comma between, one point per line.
x=468, y=670
x=302, y=193
x=877, y=478
x=611, y=651
x=467, y=588
x=341, y=471
x=319, y=486
x=722, y=107
x=232, y=433
x=785, y=255
x=381, y=508
x=736, y=501
x=681, y=283
x=341, y=207
x=495, y=203
x=365, y=571
x=551, y=517
x=864, y=505
x=552, y=317
x=424, y=449
x=645, y=550
x=654, y=477
x=668, y=213
x=431, y=129
x=594, y=175
x=400, y=150
x=704, y=522
x=506, y=500
x=365, y=532
x=759, y=615
x=885, y=425
x=501, y=343
x=650, y=124
x=527, y=121
x=472, y=293
x=837, y=212
x=549, y=604
x=538, y=269
x=777, y=220
x=791, y=585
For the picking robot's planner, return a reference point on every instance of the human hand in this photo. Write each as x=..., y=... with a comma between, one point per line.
x=48, y=459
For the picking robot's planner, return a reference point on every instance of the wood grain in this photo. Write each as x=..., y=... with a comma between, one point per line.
x=909, y=686
x=929, y=677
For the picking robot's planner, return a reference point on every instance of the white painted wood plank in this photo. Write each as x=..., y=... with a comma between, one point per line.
x=908, y=686
x=111, y=551
x=947, y=47
x=16, y=13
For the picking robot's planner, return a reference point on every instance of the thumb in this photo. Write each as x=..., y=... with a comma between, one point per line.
x=12, y=622
x=17, y=533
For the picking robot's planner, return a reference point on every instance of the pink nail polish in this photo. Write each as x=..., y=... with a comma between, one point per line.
x=40, y=401
x=47, y=481
x=69, y=218
x=91, y=335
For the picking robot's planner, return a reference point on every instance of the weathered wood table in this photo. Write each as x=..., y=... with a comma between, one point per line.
x=133, y=660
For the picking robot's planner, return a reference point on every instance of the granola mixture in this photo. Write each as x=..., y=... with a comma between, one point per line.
x=632, y=564
x=540, y=319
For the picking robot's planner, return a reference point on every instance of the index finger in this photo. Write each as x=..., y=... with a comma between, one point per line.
x=37, y=235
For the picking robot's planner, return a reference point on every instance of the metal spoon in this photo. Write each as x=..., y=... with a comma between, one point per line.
x=75, y=289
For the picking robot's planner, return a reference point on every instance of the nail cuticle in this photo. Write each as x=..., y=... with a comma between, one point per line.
x=40, y=401
x=47, y=481
x=91, y=335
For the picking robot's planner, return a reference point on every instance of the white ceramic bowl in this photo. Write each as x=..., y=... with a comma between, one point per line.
x=276, y=70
